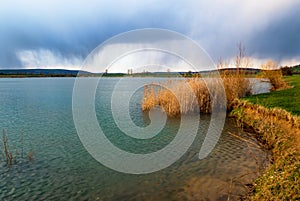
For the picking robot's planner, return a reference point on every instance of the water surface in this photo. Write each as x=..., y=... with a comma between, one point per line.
x=37, y=114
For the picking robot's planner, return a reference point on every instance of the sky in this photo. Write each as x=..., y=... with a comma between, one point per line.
x=61, y=33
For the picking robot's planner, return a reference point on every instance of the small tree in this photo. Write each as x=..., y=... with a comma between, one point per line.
x=235, y=83
x=241, y=61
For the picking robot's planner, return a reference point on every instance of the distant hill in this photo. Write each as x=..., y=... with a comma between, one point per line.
x=74, y=73
x=42, y=72
x=242, y=70
x=52, y=73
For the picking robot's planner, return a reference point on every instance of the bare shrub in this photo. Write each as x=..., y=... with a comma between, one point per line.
x=235, y=83
x=271, y=71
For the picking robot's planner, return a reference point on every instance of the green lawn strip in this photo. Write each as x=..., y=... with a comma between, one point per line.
x=288, y=99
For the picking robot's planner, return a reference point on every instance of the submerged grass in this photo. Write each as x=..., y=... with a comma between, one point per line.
x=11, y=156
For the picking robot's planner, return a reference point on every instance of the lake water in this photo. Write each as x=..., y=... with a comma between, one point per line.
x=36, y=113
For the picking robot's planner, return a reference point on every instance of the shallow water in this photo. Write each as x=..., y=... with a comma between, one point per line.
x=37, y=113
x=259, y=86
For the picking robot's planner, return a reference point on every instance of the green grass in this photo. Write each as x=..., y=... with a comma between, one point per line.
x=288, y=99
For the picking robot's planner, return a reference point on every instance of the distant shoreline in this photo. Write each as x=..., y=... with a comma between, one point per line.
x=40, y=73
x=52, y=76
x=33, y=76
x=35, y=73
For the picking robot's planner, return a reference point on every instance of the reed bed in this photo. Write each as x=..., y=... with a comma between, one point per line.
x=280, y=132
x=236, y=86
x=275, y=77
x=189, y=95
x=178, y=96
x=174, y=97
x=271, y=71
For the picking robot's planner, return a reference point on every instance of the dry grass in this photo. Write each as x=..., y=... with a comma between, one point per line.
x=280, y=132
x=271, y=71
x=174, y=97
x=179, y=96
x=236, y=86
x=195, y=94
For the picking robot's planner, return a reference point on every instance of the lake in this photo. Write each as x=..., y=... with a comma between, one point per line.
x=37, y=115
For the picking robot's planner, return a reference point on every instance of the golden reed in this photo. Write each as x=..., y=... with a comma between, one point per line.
x=188, y=95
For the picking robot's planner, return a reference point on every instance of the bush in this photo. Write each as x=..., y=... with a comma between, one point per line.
x=286, y=71
x=270, y=70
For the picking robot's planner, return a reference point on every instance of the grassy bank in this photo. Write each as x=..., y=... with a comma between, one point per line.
x=288, y=99
x=280, y=132
x=275, y=119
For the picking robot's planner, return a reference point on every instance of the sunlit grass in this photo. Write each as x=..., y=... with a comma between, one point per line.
x=190, y=95
x=275, y=117
x=280, y=132
x=288, y=99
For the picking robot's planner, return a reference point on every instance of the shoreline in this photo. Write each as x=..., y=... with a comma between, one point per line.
x=279, y=131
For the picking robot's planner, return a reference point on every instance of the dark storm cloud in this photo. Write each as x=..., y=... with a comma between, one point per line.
x=280, y=39
x=32, y=30
x=73, y=31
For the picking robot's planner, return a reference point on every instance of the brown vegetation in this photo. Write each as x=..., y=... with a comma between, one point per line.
x=11, y=158
x=271, y=71
x=280, y=132
x=236, y=86
x=200, y=95
x=276, y=128
x=194, y=94
x=178, y=96
x=8, y=154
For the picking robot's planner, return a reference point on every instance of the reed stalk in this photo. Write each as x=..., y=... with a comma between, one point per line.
x=8, y=154
x=11, y=158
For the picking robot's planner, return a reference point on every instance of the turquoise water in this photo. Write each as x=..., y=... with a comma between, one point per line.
x=36, y=113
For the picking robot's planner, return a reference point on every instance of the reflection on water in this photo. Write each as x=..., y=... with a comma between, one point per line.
x=62, y=169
